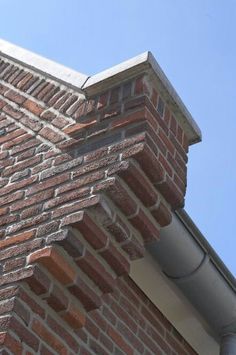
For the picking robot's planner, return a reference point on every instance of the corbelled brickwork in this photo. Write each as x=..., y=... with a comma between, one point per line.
x=86, y=183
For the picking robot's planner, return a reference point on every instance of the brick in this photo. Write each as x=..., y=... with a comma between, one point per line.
x=166, y=166
x=84, y=180
x=19, y=175
x=22, y=311
x=6, y=306
x=48, y=228
x=171, y=193
x=85, y=294
x=51, y=182
x=178, y=147
x=25, y=335
x=119, y=229
x=63, y=334
x=8, y=219
x=15, y=97
x=44, y=91
x=61, y=168
x=111, y=111
x=31, y=123
x=166, y=141
x=47, y=336
x=139, y=86
x=4, y=322
x=76, y=206
x=162, y=214
x=18, y=185
x=106, y=342
x=31, y=211
x=44, y=350
x=74, y=317
x=122, y=198
x=71, y=100
x=3, y=89
x=116, y=260
x=10, y=198
x=51, y=135
x=24, y=80
x=22, y=165
x=53, y=99
x=33, y=107
x=55, y=263
x=39, y=197
x=96, y=348
x=16, y=239
x=30, y=222
x=20, y=249
x=60, y=122
x=3, y=104
x=11, y=135
x=175, y=345
x=4, y=211
x=61, y=101
x=130, y=337
x=48, y=115
x=70, y=196
x=124, y=317
x=30, y=84
x=13, y=344
x=150, y=344
x=25, y=146
x=31, y=303
x=96, y=271
x=57, y=299
x=139, y=183
x=72, y=244
x=92, y=328
x=149, y=231
x=150, y=164
x=91, y=231
x=8, y=292
x=133, y=248
x=12, y=264
x=74, y=129
x=38, y=281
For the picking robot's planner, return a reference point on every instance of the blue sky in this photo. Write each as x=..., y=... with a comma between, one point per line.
x=193, y=41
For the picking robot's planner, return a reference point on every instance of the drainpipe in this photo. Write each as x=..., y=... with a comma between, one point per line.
x=228, y=344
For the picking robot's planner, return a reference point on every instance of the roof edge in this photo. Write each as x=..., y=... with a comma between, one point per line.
x=43, y=65
x=135, y=66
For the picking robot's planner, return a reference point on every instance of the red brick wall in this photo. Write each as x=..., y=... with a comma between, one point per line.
x=85, y=184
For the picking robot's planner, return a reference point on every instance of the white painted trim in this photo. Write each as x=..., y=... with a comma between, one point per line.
x=36, y=62
x=175, y=307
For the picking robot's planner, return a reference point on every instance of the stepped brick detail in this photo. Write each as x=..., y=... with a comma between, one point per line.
x=86, y=183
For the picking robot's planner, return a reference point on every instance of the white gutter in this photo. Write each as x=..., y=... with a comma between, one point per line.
x=190, y=263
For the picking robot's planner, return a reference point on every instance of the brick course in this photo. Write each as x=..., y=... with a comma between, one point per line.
x=86, y=183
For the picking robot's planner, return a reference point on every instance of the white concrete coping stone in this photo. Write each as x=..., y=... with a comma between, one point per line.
x=46, y=66
x=105, y=79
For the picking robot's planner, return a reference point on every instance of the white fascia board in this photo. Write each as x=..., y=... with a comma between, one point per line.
x=135, y=66
x=43, y=65
x=174, y=306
